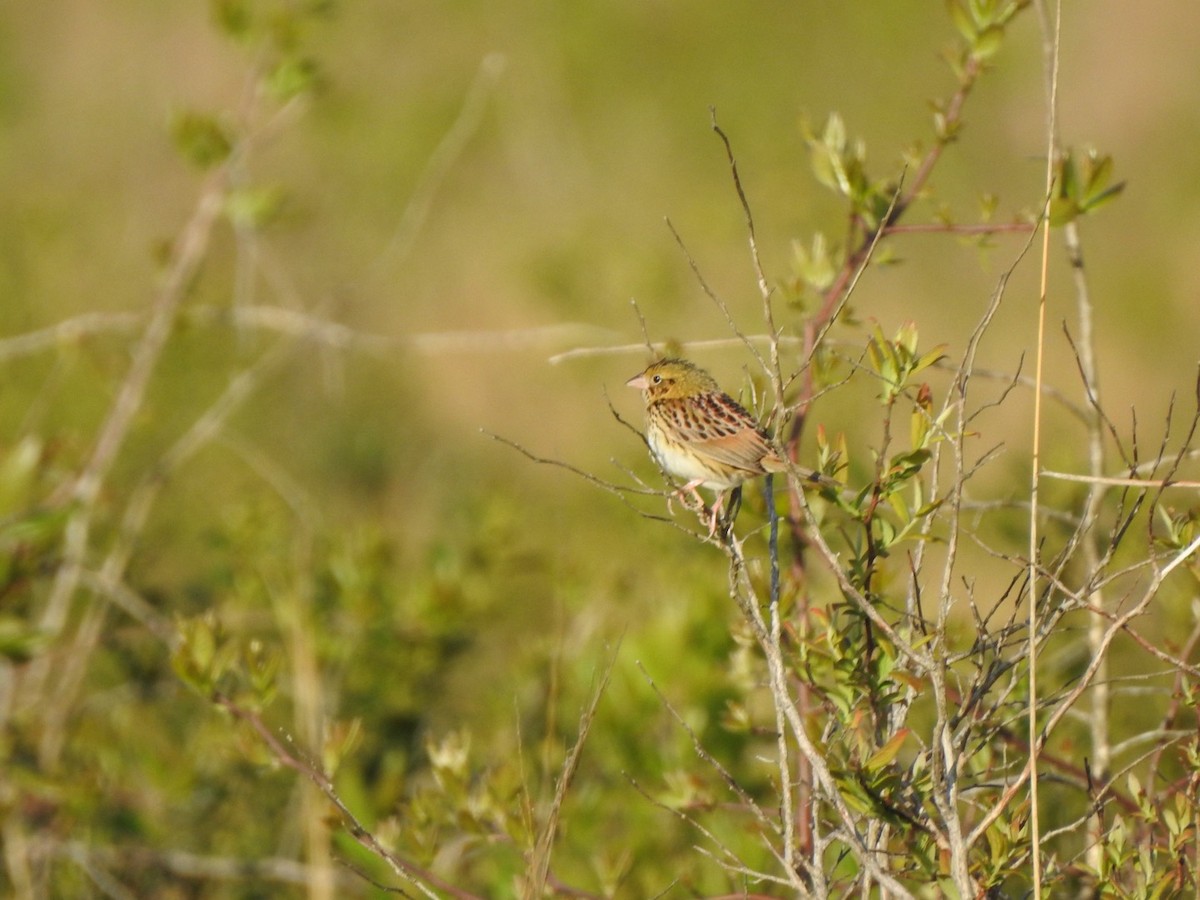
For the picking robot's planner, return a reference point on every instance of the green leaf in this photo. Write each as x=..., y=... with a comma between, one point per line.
x=928, y=359
x=887, y=533
x=202, y=655
x=341, y=741
x=904, y=464
x=291, y=77
x=918, y=428
x=37, y=529
x=814, y=266
x=18, y=472
x=1068, y=178
x=987, y=42
x=888, y=752
x=19, y=641
x=1095, y=201
x=962, y=20
x=834, y=137
x=911, y=681
x=1170, y=820
x=261, y=664
x=202, y=140
x=1062, y=211
x=253, y=207
x=233, y=17
x=1100, y=173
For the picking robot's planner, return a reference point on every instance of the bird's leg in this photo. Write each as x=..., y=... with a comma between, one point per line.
x=735, y=506
x=731, y=511
x=692, y=488
x=712, y=515
x=700, y=507
x=715, y=517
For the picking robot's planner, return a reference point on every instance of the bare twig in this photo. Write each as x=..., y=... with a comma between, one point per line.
x=618, y=489
x=715, y=297
x=415, y=875
x=440, y=164
x=771, y=366
x=1064, y=704
x=659, y=347
x=1034, y=495
x=710, y=760
x=194, y=865
x=189, y=251
x=540, y=861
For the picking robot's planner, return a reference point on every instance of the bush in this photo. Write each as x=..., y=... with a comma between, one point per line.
x=954, y=667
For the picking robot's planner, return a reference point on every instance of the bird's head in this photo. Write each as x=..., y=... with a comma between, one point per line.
x=669, y=379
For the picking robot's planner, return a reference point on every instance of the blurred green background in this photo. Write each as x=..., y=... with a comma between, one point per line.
x=474, y=265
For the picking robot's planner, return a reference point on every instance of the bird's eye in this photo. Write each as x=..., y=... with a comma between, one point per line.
x=657, y=379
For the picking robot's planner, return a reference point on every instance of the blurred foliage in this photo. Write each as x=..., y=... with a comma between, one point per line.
x=302, y=576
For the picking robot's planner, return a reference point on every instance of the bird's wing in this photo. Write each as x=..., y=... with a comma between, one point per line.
x=716, y=426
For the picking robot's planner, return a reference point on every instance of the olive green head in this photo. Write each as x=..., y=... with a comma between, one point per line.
x=670, y=379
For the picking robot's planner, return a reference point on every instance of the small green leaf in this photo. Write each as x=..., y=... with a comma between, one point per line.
x=233, y=17
x=896, y=501
x=813, y=265
x=291, y=77
x=1068, y=179
x=924, y=510
x=907, y=337
x=341, y=741
x=1170, y=820
x=201, y=644
x=202, y=654
x=1062, y=210
x=887, y=533
x=962, y=20
x=253, y=207
x=987, y=42
x=1095, y=201
x=18, y=471
x=918, y=428
x=736, y=718
x=261, y=664
x=1100, y=172
x=835, y=134
x=911, y=681
x=905, y=464
x=202, y=140
x=19, y=641
x=928, y=359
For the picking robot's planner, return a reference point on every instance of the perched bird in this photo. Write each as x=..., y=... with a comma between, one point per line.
x=699, y=433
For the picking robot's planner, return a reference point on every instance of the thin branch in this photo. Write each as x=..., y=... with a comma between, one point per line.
x=69, y=331
x=194, y=865
x=1034, y=487
x=440, y=163
x=982, y=228
x=659, y=347
x=618, y=489
x=412, y=873
x=714, y=297
x=764, y=287
x=1065, y=703
x=540, y=863
x=189, y=252
x=712, y=761
x=1110, y=481
x=693, y=823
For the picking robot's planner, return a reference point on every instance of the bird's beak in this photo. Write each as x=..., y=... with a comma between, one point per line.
x=638, y=381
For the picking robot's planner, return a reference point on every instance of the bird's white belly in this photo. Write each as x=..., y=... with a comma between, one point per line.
x=687, y=466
